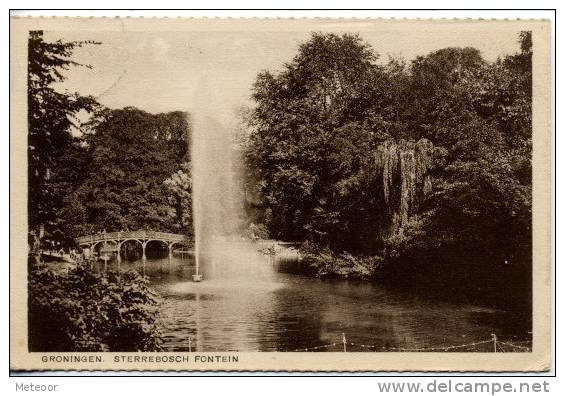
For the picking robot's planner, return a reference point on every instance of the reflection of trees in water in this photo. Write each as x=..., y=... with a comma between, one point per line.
x=296, y=319
x=319, y=313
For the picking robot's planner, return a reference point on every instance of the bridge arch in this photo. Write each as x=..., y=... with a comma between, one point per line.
x=120, y=244
x=94, y=244
x=157, y=240
x=131, y=239
x=181, y=243
x=160, y=241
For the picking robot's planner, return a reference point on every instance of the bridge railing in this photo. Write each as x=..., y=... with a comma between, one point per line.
x=141, y=234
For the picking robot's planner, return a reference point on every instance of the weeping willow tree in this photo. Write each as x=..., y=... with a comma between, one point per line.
x=402, y=168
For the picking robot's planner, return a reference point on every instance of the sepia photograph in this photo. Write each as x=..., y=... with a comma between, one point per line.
x=191, y=191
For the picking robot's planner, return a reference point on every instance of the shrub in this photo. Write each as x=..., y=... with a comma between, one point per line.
x=325, y=263
x=81, y=310
x=256, y=231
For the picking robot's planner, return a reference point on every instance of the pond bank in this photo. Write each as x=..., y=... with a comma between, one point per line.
x=441, y=281
x=326, y=264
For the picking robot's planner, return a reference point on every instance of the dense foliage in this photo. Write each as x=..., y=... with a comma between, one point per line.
x=131, y=177
x=51, y=116
x=81, y=310
x=324, y=262
x=426, y=164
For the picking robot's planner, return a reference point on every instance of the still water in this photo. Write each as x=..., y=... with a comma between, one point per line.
x=291, y=312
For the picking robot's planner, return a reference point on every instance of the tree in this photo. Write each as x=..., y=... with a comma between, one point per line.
x=130, y=153
x=325, y=129
x=179, y=187
x=313, y=134
x=441, y=92
x=51, y=116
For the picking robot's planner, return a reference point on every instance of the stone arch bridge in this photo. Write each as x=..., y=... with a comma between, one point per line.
x=142, y=236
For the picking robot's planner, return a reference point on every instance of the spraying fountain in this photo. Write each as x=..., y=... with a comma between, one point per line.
x=221, y=253
x=209, y=157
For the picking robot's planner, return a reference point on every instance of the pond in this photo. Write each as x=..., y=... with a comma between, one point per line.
x=292, y=312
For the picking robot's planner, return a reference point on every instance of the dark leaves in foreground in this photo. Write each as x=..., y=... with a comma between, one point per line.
x=81, y=310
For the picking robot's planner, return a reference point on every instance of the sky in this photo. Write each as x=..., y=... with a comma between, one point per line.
x=212, y=70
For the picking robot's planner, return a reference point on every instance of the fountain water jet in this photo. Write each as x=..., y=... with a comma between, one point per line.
x=217, y=201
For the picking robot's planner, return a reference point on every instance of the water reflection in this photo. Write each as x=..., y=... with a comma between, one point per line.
x=292, y=312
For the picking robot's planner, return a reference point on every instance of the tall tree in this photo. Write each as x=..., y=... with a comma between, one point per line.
x=324, y=141
x=179, y=188
x=51, y=116
x=312, y=134
x=131, y=153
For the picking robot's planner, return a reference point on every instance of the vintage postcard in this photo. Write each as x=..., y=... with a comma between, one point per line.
x=336, y=195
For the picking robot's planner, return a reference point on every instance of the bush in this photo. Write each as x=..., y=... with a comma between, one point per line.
x=256, y=231
x=80, y=310
x=325, y=263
